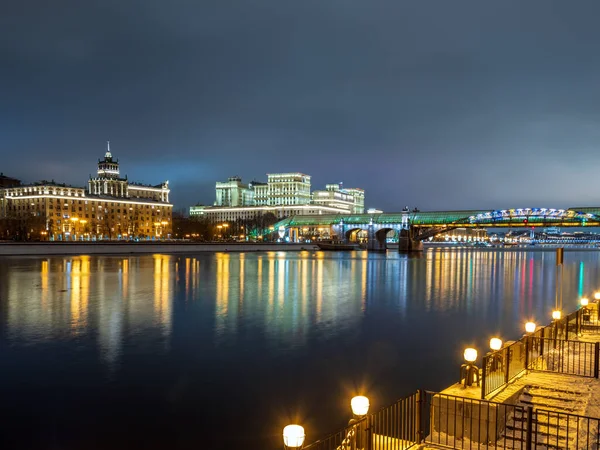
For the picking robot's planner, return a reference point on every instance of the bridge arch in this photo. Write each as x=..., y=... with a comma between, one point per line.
x=356, y=234
x=381, y=236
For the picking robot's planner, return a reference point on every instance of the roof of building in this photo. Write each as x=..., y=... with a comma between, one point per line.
x=49, y=183
x=8, y=181
x=157, y=186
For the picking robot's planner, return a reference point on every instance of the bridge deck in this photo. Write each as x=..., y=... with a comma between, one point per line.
x=519, y=217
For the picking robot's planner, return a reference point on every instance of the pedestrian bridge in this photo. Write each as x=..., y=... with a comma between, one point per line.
x=413, y=227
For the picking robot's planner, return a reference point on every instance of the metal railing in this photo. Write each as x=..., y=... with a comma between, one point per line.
x=559, y=430
x=550, y=348
x=502, y=366
x=560, y=356
x=463, y=423
x=396, y=427
x=588, y=321
x=584, y=320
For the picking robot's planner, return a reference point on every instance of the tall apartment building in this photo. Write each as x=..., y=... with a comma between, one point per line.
x=280, y=189
x=284, y=194
x=288, y=189
x=233, y=193
x=111, y=207
x=351, y=200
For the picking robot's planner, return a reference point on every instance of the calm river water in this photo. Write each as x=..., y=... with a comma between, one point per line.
x=220, y=351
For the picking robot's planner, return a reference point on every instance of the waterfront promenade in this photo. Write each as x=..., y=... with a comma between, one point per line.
x=544, y=394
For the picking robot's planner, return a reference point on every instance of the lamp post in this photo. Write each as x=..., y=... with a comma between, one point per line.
x=359, y=426
x=585, y=312
x=530, y=327
x=495, y=358
x=83, y=232
x=495, y=344
x=293, y=437
x=556, y=315
x=597, y=296
x=529, y=330
x=225, y=226
x=74, y=220
x=469, y=371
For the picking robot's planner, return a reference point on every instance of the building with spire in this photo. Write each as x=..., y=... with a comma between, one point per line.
x=110, y=208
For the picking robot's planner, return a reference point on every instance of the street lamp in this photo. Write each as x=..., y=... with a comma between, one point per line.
x=74, y=229
x=584, y=309
x=597, y=295
x=495, y=344
x=556, y=314
x=360, y=406
x=530, y=327
x=293, y=437
x=469, y=371
x=495, y=357
x=358, y=435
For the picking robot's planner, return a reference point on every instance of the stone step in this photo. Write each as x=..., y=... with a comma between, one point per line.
x=555, y=406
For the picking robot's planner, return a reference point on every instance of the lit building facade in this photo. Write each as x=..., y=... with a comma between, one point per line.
x=351, y=200
x=233, y=193
x=288, y=189
x=224, y=214
x=284, y=194
x=111, y=208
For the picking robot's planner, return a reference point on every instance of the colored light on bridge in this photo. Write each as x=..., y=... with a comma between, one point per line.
x=293, y=436
x=556, y=315
x=470, y=355
x=584, y=301
x=360, y=405
x=495, y=343
x=530, y=327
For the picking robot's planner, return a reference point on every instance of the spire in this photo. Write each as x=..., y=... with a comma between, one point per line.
x=107, y=154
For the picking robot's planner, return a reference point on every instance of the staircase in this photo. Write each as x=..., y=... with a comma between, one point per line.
x=554, y=425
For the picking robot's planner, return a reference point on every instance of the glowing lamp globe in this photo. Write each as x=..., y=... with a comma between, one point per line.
x=293, y=436
x=556, y=315
x=584, y=301
x=360, y=405
x=495, y=344
x=530, y=327
x=597, y=295
x=470, y=355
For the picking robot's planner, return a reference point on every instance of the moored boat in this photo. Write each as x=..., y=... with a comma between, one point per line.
x=337, y=246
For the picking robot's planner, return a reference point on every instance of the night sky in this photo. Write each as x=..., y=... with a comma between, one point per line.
x=435, y=104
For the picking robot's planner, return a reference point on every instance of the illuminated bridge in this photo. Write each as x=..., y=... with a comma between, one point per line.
x=413, y=227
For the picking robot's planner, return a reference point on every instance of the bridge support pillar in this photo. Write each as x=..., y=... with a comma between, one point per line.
x=407, y=244
x=374, y=244
x=340, y=232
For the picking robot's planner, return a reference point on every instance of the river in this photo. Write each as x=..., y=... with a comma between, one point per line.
x=221, y=350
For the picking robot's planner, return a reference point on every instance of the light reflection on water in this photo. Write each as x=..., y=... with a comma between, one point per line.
x=134, y=345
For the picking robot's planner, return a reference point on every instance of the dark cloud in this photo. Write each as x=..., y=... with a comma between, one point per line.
x=437, y=104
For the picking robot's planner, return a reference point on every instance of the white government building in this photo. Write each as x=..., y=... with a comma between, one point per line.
x=284, y=195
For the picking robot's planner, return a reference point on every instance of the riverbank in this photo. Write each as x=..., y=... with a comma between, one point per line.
x=139, y=248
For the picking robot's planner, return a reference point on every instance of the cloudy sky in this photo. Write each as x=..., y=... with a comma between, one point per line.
x=436, y=104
